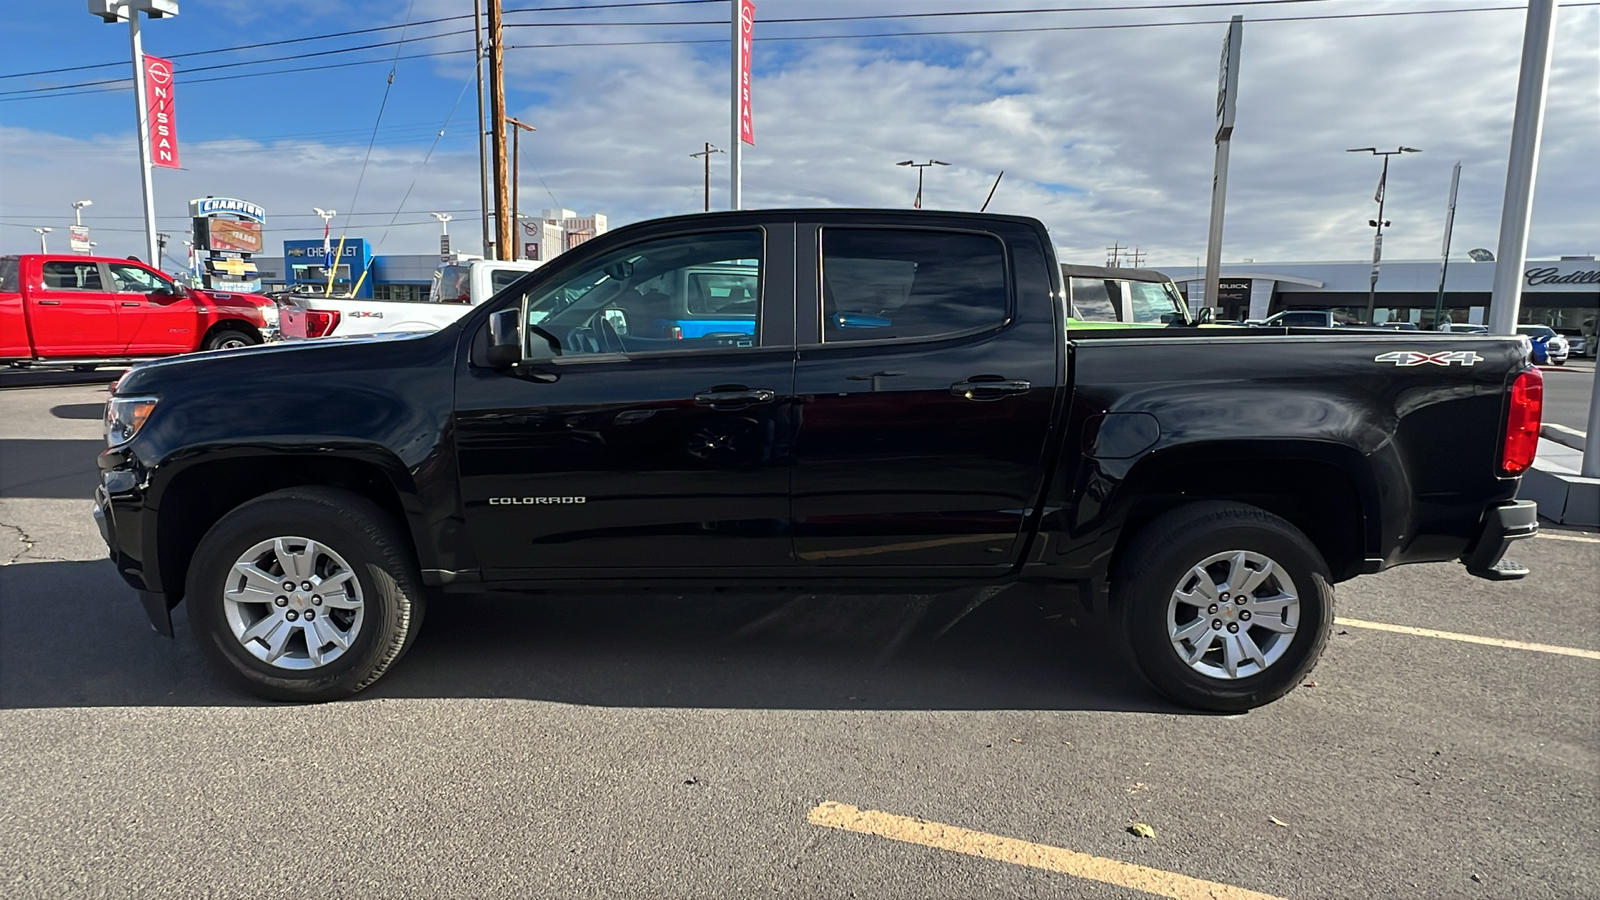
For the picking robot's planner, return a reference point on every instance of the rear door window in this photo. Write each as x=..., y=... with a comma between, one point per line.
x=500, y=279
x=9, y=280
x=68, y=275
x=1093, y=300
x=884, y=283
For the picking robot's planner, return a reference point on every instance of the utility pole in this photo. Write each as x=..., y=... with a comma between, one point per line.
x=516, y=182
x=707, y=154
x=1114, y=255
x=917, y=204
x=483, y=135
x=504, y=225
x=1379, y=222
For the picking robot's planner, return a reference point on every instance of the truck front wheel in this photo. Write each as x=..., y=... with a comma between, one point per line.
x=230, y=339
x=1225, y=607
x=304, y=594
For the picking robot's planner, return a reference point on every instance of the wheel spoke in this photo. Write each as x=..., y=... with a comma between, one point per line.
x=1204, y=593
x=277, y=642
x=1200, y=647
x=314, y=641
x=255, y=582
x=332, y=581
x=1273, y=623
x=262, y=628
x=1248, y=647
x=1252, y=578
x=333, y=633
x=1193, y=631
x=340, y=600
x=1272, y=606
x=298, y=566
x=1232, y=654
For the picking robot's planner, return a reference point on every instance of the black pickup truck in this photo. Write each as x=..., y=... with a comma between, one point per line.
x=828, y=401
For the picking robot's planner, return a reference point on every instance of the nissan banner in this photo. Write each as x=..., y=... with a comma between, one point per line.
x=163, y=124
x=747, y=26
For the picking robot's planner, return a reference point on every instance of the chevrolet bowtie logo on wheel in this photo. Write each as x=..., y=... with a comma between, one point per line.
x=534, y=501
x=1407, y=358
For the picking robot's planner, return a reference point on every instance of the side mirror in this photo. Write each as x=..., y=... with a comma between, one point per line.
x=505, y=338
x=1208, y=314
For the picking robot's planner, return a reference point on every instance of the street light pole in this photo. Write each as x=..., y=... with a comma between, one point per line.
x=110, y=12
x=1379, y=222
x=919, y=167
x=42, y=232
x=77, y=211
x=707, y=154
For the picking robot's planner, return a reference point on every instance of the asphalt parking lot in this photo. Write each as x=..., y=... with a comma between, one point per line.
x=808, y=747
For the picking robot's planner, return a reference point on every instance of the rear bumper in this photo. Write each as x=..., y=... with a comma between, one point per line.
x=1502, y=525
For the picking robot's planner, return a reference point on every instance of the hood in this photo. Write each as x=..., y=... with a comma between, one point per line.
x=320, y=357
x=226, y=298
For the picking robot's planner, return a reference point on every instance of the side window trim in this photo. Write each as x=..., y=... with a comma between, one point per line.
x=818, y=338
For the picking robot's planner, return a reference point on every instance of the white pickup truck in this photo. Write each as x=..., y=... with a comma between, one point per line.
x=457, y=287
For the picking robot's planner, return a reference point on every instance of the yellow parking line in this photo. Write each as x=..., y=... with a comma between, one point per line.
x=1569, y=537
x=1024, y=853
x=1469, y=638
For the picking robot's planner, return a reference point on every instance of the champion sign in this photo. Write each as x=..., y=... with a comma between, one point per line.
x=159, y=110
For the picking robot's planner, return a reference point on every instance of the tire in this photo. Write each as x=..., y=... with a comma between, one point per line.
x=230, y=339
x=1163, y=564
x=361, y=632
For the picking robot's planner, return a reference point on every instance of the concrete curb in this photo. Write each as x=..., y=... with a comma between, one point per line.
x=1563, y=495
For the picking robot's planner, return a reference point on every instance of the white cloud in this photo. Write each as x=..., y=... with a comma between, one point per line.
x=1104, y=135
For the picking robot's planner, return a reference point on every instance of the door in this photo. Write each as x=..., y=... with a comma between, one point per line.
x=155, y=316
x=73, y=313
x=632, y=450
x=924, y=402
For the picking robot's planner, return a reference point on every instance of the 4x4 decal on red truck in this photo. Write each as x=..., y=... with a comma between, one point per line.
x=1417, y=357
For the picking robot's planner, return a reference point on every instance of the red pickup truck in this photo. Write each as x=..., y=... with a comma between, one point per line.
x=88, y=310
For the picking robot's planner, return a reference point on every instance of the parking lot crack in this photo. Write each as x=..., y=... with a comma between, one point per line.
x=24, y=543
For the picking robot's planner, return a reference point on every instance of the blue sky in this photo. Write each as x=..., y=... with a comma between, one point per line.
x=1104, y=134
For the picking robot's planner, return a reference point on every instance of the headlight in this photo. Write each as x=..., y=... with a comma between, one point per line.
x=125, y=416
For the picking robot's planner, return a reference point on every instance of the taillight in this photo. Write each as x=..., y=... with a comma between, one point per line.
x=1522, y=423
x=321, y=322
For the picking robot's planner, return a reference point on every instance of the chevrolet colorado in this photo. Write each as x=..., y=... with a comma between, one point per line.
x=903, y=402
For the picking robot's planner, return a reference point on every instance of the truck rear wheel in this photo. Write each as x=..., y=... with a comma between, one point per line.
x=305, y=594
x=1225, y=607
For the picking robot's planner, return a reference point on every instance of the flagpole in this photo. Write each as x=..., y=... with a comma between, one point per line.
x=735, y=144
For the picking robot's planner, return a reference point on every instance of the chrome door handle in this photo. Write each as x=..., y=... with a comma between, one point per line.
x=49, y=302
x=989, y=390
x=734, y=397
x=131, y=303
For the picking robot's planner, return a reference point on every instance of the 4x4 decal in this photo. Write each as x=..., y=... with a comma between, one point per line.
x=1417, y=358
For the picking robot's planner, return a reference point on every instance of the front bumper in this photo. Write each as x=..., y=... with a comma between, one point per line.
x=117, y=512
x=1504, y=524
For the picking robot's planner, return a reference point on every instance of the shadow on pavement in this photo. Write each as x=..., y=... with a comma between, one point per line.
x=49, y=468
x=72, y=634
x=92, y=412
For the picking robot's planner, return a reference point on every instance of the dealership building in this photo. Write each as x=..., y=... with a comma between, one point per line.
x=1561, y=293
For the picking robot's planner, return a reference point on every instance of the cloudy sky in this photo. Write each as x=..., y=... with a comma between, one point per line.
x=1101, y=118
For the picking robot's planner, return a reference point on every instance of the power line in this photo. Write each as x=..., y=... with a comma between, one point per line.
x=67, y=90
x=339, y=34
